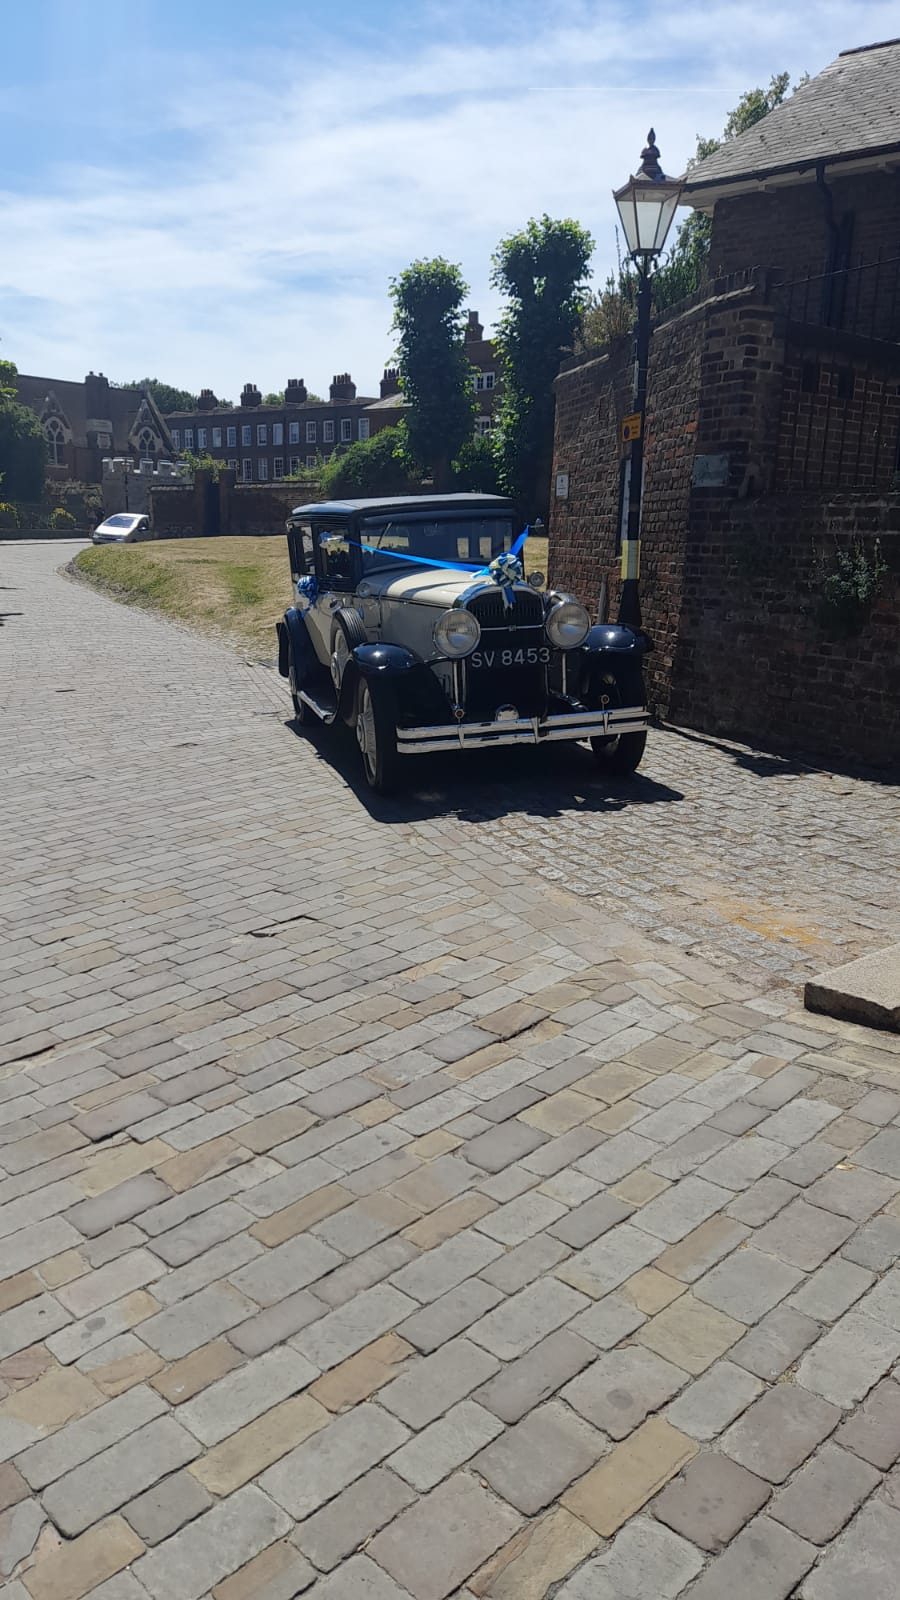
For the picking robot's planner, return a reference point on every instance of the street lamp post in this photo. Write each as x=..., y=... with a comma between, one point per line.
x=646, y=205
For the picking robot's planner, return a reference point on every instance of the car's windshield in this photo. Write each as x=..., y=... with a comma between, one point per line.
x=470, y=539
x=120, y=522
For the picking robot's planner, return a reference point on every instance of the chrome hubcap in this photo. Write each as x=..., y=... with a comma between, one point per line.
x=365, y=730
x=339, y=658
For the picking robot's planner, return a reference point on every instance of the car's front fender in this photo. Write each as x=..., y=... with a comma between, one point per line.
x=614, y=636
x=385, y=660
x=294, y=636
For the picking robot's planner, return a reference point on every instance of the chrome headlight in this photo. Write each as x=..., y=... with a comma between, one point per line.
x=456, y=633
x=567, y=624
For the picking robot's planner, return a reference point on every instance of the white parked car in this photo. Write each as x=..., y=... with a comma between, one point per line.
x=126, y=527
x=412, y=623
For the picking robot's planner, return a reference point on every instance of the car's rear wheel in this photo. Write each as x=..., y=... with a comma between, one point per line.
x=376, y=736
x=621, y=755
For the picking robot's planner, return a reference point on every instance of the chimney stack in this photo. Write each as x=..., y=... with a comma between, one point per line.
x=390, y=383
x=295, y=393
x=342, y=387
x=250, y=395
x=474, y=329
x=207, y=400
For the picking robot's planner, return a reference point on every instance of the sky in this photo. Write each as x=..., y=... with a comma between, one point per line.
x=213, y=192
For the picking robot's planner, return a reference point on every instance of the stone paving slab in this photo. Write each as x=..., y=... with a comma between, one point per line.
x=865, y=991
x=440, y=1199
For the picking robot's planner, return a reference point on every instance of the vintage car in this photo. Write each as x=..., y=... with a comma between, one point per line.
x=412, y=622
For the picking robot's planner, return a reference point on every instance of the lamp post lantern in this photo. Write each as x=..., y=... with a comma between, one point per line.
x=646, y=205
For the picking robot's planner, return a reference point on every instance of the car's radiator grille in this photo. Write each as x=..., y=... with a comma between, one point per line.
x=527, y=609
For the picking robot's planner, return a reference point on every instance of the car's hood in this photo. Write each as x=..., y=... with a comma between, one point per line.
x=440, y=587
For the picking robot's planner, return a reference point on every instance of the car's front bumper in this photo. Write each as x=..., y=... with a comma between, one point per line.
x=569, y=725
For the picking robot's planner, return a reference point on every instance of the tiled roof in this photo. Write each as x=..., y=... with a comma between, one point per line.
x=850, y=109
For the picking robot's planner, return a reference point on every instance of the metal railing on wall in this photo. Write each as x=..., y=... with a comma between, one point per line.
x=839, y=423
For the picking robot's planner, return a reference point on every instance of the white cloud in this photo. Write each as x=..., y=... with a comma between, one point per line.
x=302, y=179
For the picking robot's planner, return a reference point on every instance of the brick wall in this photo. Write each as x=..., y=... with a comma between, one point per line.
x=263, y=508
x=728, y=586
x=753, y=659
x=207, y=508
x=786, y=229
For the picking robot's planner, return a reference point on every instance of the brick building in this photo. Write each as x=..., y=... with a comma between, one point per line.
x=772, y=432
x=263, y=443
x=84, y=422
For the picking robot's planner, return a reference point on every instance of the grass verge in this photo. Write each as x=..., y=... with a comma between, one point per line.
x=232, y=587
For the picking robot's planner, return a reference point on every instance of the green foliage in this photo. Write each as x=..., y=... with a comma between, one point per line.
x=475, y=468
x=9, y=516
x=435, y=374
x=274, y=398
x=845, y=584
x=313, y=399
x=61, y=518
x=306, y=474
x=203, y=463
x=23, y=448
x=166, y=396
x=541, y=270
x=378, y=466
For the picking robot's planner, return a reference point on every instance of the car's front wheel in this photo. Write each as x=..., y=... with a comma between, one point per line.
x=621, y=755
x=376, y=736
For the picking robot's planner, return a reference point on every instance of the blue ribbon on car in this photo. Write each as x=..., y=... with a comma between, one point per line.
x=505, y=569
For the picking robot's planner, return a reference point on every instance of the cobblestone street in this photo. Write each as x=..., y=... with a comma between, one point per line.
x=437, y=1199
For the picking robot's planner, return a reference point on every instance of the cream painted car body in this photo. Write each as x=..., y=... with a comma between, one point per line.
x=359, y=642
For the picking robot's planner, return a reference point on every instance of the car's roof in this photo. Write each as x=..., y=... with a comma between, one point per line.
x=423, y=502
x=133, y=516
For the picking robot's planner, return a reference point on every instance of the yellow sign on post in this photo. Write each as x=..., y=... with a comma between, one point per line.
x=631, y=427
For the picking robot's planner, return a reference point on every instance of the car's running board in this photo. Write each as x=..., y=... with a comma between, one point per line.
x=323, y=704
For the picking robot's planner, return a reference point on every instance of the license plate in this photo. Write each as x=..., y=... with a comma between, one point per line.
x=531, y=655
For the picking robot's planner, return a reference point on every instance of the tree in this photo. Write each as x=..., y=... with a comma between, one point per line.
x=435, y=373
x=167, y=397
x=23, y=448
x=475, y=468
x=542, y=272
x=377, y=466
x=274, y=398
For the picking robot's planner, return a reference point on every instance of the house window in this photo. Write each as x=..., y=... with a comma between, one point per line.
x=482, y=427
x=310, y=433
x=56, y=442
x=310, y=461
x=262, y=468
x=232, y=465
x=346, y=430
x=328, y=432
x=278, y=467
x=262, y=433
x=489, y=380
x=247, y=470
x=201, y=438
x=188, y=438
x=217, y=438
x=295, y=465
x=364, y=427
x=176, y=438
x=477, y=381
x=293, y=433
x=246, y=434
x=146, y=443
x=278, y=433
x=231, y=437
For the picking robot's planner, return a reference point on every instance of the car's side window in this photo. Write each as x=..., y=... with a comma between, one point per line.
x=300, y=548
x=334, y=557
